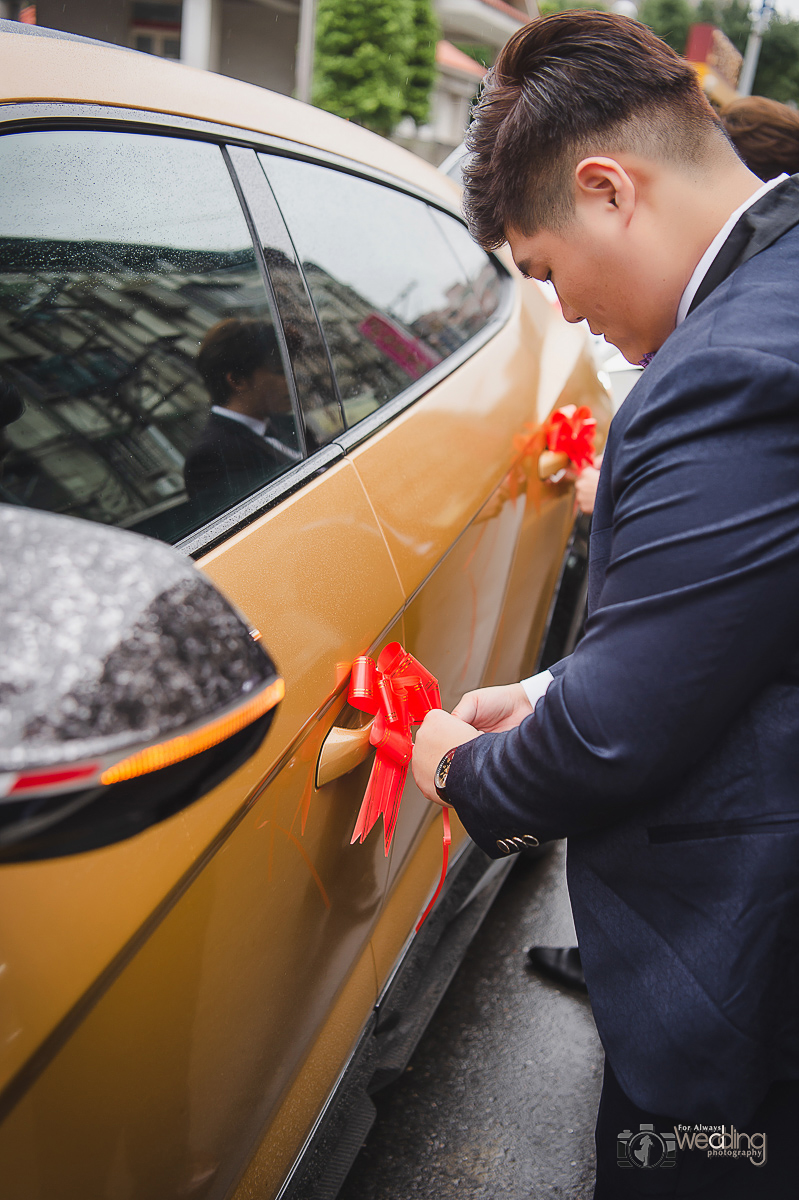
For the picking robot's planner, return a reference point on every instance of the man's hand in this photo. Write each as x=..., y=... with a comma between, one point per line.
x=438, y=733
x=585, y=489
x=493, y=709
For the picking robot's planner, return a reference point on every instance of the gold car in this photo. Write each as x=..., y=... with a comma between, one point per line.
x=242, y=326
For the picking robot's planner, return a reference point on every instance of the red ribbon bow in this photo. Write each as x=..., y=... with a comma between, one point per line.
x=570, y=431
x=399, y=691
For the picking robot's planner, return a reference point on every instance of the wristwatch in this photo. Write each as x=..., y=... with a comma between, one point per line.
x=442, y=771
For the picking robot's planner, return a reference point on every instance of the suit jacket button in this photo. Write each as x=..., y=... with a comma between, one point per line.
x=503, y=846
x=529, y=840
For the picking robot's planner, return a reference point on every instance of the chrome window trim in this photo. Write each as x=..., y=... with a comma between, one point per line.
x=18, y=117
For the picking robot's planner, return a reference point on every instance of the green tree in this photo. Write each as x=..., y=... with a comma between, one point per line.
x=421, y=73
x=731, y=18
x=734, y=21
x=362, y=55
x=669, y=19
x=778, y=66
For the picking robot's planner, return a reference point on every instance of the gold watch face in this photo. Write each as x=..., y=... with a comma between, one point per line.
x=443, y=769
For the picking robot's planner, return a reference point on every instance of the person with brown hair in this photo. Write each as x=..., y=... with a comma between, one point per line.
x=250, y=436
x=666, y=747
x=765, y=133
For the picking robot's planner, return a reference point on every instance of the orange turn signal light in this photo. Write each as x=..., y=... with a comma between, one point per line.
x=186, y=745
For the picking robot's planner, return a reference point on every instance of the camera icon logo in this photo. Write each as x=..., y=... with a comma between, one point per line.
x=646, y=1149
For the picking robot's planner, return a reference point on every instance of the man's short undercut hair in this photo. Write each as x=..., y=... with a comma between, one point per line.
x=566, y=87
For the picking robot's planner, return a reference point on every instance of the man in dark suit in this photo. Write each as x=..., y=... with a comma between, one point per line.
x=666, y=747
x=250, y=435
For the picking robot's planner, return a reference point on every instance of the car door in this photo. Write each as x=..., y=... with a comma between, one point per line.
x=440, y=367
x=165, y=1000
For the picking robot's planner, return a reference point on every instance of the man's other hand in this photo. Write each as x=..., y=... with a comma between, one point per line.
x=585, y=489
x=494, y=709
x=438, y=733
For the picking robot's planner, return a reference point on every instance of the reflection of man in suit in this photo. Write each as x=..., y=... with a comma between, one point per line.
x=250, y=435
x=666, y=747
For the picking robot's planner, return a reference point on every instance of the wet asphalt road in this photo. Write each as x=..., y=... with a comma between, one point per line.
x=500, y=1098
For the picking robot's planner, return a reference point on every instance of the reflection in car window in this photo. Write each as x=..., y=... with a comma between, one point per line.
x=317, y=395
x=389, y=288
x=485, y=280
x=136, y=340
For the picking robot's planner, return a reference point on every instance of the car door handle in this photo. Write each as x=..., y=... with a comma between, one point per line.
x=342, y=751
x=551, y=462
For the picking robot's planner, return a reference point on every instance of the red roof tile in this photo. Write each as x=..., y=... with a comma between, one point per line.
x=448, y=55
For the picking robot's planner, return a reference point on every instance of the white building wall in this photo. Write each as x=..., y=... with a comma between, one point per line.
x=259, y=44
x=256, y=42
x=475, y=21
x=201, y=33
x=90, y=18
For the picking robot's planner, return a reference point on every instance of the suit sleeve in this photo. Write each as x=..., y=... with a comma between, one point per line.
x=698, y=609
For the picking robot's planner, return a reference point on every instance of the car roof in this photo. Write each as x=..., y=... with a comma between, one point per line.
x=38, y=64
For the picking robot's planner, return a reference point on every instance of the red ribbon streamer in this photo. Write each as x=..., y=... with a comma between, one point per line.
x=399, y=692
x=445, y=860
x=570, y=431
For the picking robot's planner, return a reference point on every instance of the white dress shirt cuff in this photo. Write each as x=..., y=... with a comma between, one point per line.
x=536, y=685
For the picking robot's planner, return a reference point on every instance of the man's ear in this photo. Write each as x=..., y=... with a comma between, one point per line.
x=234, y=381
x=602, y=184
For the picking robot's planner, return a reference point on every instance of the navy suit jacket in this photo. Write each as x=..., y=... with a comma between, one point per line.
x=229, y=460
x=667, y=747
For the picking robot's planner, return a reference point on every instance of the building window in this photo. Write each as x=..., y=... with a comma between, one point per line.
x=155, y=29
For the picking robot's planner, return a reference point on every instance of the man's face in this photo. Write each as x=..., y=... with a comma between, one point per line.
x=261, y=394
x=269, y=392
x=600, y=275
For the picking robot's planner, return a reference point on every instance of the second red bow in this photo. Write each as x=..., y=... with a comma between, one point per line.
x=570, y=431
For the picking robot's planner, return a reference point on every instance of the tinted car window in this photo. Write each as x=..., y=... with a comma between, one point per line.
x=143, y=376
x=392, y=296
x=481, y=271
x=319, y=402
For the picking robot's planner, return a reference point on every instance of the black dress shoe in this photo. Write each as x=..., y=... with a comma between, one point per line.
x=559, y=963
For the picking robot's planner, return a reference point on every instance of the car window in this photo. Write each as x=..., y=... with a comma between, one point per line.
x=143, y=378
x=319, y=402
x=391, y=293
x=481, y=270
